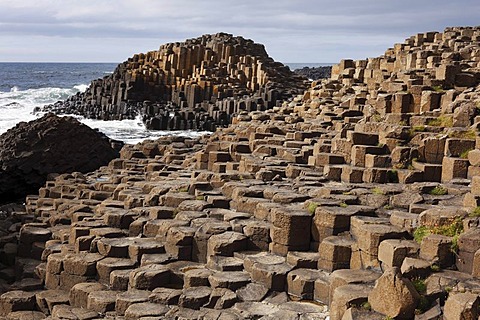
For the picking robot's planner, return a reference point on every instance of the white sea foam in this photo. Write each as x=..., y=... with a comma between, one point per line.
x=132, y=131
x=81, y=87
x=18, y=105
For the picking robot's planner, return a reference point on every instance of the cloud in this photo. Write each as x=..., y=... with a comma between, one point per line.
x=292, y=31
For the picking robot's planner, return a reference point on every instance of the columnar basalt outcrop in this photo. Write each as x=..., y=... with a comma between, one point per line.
x=409, y=115
x=198, y=84
x=363, y=204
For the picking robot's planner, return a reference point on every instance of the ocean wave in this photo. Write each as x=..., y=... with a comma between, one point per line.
x=81, y=87
x=18, y=105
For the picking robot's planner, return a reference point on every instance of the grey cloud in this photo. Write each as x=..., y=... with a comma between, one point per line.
x=292, y=30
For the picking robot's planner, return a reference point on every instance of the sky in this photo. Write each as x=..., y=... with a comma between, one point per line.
x=293, y=31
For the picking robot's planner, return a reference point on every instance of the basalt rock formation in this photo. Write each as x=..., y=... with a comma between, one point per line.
x=362, y=195
x=316, y=73
x=198, y=84
x=51, y=144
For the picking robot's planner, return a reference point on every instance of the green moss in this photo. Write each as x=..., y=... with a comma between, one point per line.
x=454, y=245
x=464, y=154
x=441, y=121
x=420, y=233
x=450, y=230
x=343, y=205
x=366, y=305
x=377, y=191
x=376, y=118
x=200, y=198
x=437, y=89
x=468, y=134
x=183, y=189
x=419, y=128
x=312, y=206
x=438, y=191
x=453, y=230
x=420, y=285
x=475, y=213
x=435, y=268
x=414, y=130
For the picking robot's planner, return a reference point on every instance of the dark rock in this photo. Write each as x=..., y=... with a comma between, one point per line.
x=315, y=73
x=30, y=151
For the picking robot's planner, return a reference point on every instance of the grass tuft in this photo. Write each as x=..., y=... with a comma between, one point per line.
x=420, y=285
x=475, y=213
x=438, y=191
x=441, y=121
x=464, y=154
x=453, y=230
x=312, y=206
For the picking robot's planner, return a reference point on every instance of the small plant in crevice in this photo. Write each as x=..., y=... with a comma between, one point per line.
x=435, y=268
x=183, y=189
x=468, y=134
x=366, y=305
x=414, y=130
x=454, y=229
x=438, y=191
x=475, y=213
x=423, y=303
x=441, y=121
x=464, y=154
x=312, y=206
x=419, y=285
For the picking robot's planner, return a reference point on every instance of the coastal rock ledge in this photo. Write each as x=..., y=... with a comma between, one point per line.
x=51, y=144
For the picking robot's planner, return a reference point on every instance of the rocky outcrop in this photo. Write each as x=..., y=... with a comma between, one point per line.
x=363, y=189
x=198, y=84
x=30, y=151
x=315, y=73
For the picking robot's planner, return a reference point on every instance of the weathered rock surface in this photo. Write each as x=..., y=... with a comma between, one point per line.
x=51, y=144
x=315, y=73
x=394, y=296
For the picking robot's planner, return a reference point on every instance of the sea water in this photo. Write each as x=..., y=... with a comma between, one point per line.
x=25, y=86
